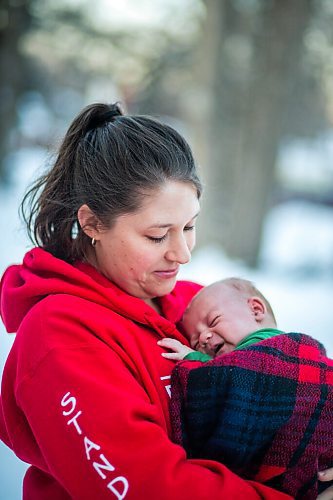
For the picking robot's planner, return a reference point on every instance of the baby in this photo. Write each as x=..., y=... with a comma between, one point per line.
x=249, y=395
x=227, y=315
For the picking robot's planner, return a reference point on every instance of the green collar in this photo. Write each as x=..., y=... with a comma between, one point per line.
x=258, y=336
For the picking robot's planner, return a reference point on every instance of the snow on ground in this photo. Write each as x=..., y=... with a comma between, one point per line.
x=296, y=274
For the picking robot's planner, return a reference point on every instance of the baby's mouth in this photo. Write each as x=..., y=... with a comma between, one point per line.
x=218, y=348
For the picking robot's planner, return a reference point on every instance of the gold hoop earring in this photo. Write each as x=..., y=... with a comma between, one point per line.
x=93, y=242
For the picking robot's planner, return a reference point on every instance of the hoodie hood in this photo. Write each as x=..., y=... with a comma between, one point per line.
x=41, y=274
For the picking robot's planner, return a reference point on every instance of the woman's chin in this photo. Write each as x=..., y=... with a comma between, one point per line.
x=165, y=288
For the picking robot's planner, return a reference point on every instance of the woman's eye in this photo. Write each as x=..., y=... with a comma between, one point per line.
x=156, y=239
x=189, y=228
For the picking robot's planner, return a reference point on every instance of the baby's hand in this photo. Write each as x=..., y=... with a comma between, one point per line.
x=179, y=350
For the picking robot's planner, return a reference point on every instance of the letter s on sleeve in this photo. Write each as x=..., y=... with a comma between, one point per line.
x=68, y=400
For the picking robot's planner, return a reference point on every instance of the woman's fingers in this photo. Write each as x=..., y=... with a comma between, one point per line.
x=326, y=475
x=326, y=495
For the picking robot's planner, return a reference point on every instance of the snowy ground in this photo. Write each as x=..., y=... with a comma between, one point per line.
x=296, y=275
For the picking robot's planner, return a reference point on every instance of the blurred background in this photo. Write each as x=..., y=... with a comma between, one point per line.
x=250, y=85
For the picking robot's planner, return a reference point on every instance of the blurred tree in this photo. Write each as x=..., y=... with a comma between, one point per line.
x=82, y=56
x=15, y=72
x=250, y=58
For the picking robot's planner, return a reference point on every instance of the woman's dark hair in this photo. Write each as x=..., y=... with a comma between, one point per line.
x=108, y=161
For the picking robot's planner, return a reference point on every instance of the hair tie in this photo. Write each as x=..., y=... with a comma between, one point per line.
x=110, y=115
x=103, y=118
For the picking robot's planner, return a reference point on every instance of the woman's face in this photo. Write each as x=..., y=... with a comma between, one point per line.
x=143, y=251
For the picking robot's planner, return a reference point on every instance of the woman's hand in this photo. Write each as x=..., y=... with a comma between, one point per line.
x=179, y=350
x=326, y=475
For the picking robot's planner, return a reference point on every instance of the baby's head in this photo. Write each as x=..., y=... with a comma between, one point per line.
x=223, y=313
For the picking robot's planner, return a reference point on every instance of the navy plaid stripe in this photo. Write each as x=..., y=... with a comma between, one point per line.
x=227, y=414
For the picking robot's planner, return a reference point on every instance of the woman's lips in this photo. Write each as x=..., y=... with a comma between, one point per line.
x=170, y=273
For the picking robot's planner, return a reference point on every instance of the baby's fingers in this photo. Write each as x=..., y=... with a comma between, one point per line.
x=180, y=350
x=176, y=356
x=169, y=343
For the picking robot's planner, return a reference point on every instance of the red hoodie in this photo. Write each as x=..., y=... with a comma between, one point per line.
x=85, y=390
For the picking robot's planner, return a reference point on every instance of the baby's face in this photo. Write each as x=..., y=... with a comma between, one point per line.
x=217, y=319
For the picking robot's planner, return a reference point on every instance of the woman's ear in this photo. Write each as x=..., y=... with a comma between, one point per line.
x=258, y=308
x=88, y=221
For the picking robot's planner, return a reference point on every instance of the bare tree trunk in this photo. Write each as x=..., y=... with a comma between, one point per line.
x=255, y=59
x=15, y=19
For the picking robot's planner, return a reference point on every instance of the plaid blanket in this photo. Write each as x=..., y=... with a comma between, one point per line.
x=265, y=411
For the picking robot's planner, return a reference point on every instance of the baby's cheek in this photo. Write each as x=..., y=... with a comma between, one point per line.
x=228, y=347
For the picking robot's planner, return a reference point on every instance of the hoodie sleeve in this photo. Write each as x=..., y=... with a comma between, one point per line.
x=101, y=437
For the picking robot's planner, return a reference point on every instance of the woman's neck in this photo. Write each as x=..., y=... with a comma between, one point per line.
x=153, y=303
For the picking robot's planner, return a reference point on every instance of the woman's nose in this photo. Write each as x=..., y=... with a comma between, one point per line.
x=179, y=252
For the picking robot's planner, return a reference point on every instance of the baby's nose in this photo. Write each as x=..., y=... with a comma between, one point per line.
x=204, y=338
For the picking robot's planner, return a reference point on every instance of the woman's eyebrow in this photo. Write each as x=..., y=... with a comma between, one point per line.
x=162, y=226
x=196, y=215
x=159, y=226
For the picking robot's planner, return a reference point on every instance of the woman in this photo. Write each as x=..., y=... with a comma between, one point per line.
x=85, y=389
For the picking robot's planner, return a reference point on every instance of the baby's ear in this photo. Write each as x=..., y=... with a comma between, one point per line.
x=258, y=308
